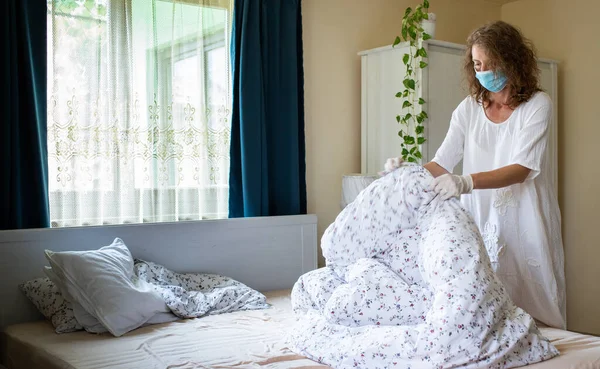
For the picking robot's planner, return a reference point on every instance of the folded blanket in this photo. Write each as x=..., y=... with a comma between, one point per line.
x=408, y=284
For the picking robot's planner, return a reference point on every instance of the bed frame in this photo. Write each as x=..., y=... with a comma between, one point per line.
x=265, y=253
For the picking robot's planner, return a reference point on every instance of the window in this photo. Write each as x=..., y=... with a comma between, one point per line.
x=138, y=114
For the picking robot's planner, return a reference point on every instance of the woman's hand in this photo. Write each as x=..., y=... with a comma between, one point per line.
x=452, y=185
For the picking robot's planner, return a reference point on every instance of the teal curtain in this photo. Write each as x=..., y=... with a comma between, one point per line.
x=23, y=148
x=267, y=167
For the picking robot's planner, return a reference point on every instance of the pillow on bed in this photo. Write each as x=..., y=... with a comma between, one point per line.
x=49, y=301
x=83, y=318
x=103, y=283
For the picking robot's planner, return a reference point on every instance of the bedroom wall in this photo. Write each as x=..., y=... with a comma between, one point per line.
x=568, y=32
x=334, y=32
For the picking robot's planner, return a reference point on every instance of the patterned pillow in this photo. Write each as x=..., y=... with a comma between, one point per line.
x=46, y=297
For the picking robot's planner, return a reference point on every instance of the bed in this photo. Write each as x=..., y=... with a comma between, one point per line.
x=268, y=254
x=236, y=340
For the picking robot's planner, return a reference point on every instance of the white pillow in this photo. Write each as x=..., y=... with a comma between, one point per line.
x=102, y=282
x=82, y=317
x=47, y=298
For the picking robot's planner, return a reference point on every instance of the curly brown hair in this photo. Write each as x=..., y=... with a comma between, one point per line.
x=509, y=51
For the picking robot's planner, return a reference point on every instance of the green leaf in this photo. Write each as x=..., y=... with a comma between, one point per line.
x=422, y=52
x=409, y=140
x=409, y=83
x=418, y=155
x=420, y=119
x=425, y=16
x=412, y=31
x=421, y=140
x=401, y=134
x=426, y=36
x=404, y=152
x=421, y=101
x=412, y=151
x=406, y=104
x=405, y=93
x=426, y=4
x=407, y=11
x=419, y=129
x=399, y=94
x=412, y=44
x=396, y=41
x=412, y=160
x=405, y=59
x=407, y=117
x=404, y=32
x=422, y=64
x=418, y=13
x=398, y=118
x=422, y=115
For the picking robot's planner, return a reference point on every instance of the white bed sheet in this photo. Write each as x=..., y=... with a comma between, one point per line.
x=577, y=351
x=247, y=339
x=243, y=339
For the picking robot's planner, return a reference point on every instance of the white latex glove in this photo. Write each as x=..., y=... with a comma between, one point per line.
x=390, y=165
x=451, y=185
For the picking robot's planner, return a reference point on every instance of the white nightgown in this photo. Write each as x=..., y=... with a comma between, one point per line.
x=520, y=224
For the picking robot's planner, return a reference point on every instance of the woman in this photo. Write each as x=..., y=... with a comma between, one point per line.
x=500, y=133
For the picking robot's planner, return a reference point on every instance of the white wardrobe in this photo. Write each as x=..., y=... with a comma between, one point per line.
x=440, y=85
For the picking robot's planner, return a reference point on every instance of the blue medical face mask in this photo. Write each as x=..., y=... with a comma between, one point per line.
x=493, y=81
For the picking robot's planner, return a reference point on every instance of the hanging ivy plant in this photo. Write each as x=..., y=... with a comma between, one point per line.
x=413, y=116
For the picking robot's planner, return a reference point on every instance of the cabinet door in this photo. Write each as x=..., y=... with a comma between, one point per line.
x=548, y=82
x=442, y=92
x=382, y=76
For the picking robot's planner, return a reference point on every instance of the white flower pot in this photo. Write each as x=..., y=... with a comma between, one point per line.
x=429, y=25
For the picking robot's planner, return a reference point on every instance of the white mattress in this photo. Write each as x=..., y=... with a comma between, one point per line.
x=250, y=339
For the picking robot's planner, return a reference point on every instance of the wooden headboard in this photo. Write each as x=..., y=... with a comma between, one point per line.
x=265, y=253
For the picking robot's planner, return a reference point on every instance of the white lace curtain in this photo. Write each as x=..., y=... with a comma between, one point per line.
x=138, y=111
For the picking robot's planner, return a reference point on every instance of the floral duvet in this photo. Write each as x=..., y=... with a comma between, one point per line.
x=408, y=284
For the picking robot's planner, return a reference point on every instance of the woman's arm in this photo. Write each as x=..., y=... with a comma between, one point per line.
x=452, y=185
x=435, y=169
x=501, y=177
x=450, y=152
x=498, y=178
